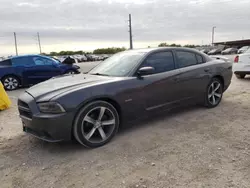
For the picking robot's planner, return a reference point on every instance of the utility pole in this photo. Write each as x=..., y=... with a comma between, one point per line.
x=15, y=43
x=39, y=42
x=130, y=33
x=213, y=35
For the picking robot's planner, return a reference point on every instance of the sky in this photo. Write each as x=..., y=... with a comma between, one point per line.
x=90, y=24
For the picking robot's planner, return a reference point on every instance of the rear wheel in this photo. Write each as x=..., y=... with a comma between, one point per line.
x=96, y=124
x=240, y=76
x=214, y=93
x=10, y=82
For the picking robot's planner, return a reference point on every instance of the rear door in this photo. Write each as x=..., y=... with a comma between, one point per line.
x=194, y=74
x=6, y=68
x=21, y=65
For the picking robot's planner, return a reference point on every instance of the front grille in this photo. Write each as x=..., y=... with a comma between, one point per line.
x=24, y=109
x=23, y=104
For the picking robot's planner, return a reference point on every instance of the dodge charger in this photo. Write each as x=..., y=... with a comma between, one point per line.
x=132, y=84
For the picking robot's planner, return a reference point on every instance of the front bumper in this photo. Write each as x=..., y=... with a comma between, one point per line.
x=48, y=127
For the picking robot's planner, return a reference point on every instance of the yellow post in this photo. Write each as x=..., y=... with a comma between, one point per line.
x=4, y=99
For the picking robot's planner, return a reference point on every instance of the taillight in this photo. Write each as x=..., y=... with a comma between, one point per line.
x=236, y=59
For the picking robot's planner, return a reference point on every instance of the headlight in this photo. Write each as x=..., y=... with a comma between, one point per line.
x=50, y=107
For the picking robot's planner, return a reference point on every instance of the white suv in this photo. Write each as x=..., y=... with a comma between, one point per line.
x=241, y=66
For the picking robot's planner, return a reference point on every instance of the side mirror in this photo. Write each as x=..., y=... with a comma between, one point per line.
x=55, y=64
x=145, y=71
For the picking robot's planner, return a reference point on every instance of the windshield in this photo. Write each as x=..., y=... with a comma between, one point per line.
x=118, y=65
x=57, y=61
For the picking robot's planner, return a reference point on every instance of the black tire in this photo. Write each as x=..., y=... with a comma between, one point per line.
x=212, y=98
x=240, y=76
x=10, y=82
x=90, y=112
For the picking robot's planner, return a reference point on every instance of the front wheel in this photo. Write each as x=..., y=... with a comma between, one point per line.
x=240, y=76
x=214, y=93
x=96, y=124
x=71, y=72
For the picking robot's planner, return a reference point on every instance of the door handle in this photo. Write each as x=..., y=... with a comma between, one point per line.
x=207, y=69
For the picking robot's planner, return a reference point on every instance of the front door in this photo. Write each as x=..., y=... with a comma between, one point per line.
x=44, y=69
x=160, y=88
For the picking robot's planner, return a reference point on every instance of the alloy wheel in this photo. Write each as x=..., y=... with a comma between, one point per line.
x=10, y=83
x=98, y=124
x=214, y=93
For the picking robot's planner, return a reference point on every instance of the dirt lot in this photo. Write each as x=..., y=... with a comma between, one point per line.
x=191, y=147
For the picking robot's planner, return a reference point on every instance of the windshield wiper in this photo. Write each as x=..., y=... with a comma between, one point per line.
x=99, y=74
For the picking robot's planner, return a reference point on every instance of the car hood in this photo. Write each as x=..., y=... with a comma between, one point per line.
x=58, y=85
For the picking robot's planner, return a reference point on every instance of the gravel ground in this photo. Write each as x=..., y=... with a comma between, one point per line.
x=191, y=147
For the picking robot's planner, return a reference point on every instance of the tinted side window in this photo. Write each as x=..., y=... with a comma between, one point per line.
x=199, y=59
x=5, y=62
x=38, y=61
x=161, y=62
x=22, y=61
x=42, y=61
x=186, y=59
x=48, y=62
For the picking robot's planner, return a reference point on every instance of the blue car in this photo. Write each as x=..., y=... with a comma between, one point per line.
x=32, y=69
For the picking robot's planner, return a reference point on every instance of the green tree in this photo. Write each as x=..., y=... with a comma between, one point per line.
x=53, y=53
x=164, y=44
x=191, y=46
x=108, y=50
x=175, y=45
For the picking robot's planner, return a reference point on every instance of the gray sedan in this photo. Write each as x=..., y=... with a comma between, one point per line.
x=129, y=85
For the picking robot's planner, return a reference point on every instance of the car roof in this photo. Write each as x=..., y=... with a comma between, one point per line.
x=30, y=55
x=146, y=50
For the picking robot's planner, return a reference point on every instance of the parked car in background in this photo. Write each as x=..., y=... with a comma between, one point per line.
x=205, y=50
x=243, y=49
x=215, y=51
x=127, y=86
x=96, y=57
x=229, y=51
x=31, y=69
x=89, y=57
x=104, y=57
x=80, y=58
x=241, y=66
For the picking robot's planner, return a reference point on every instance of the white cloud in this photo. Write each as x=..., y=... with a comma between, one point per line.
x=101, y=22
x=27, y=4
